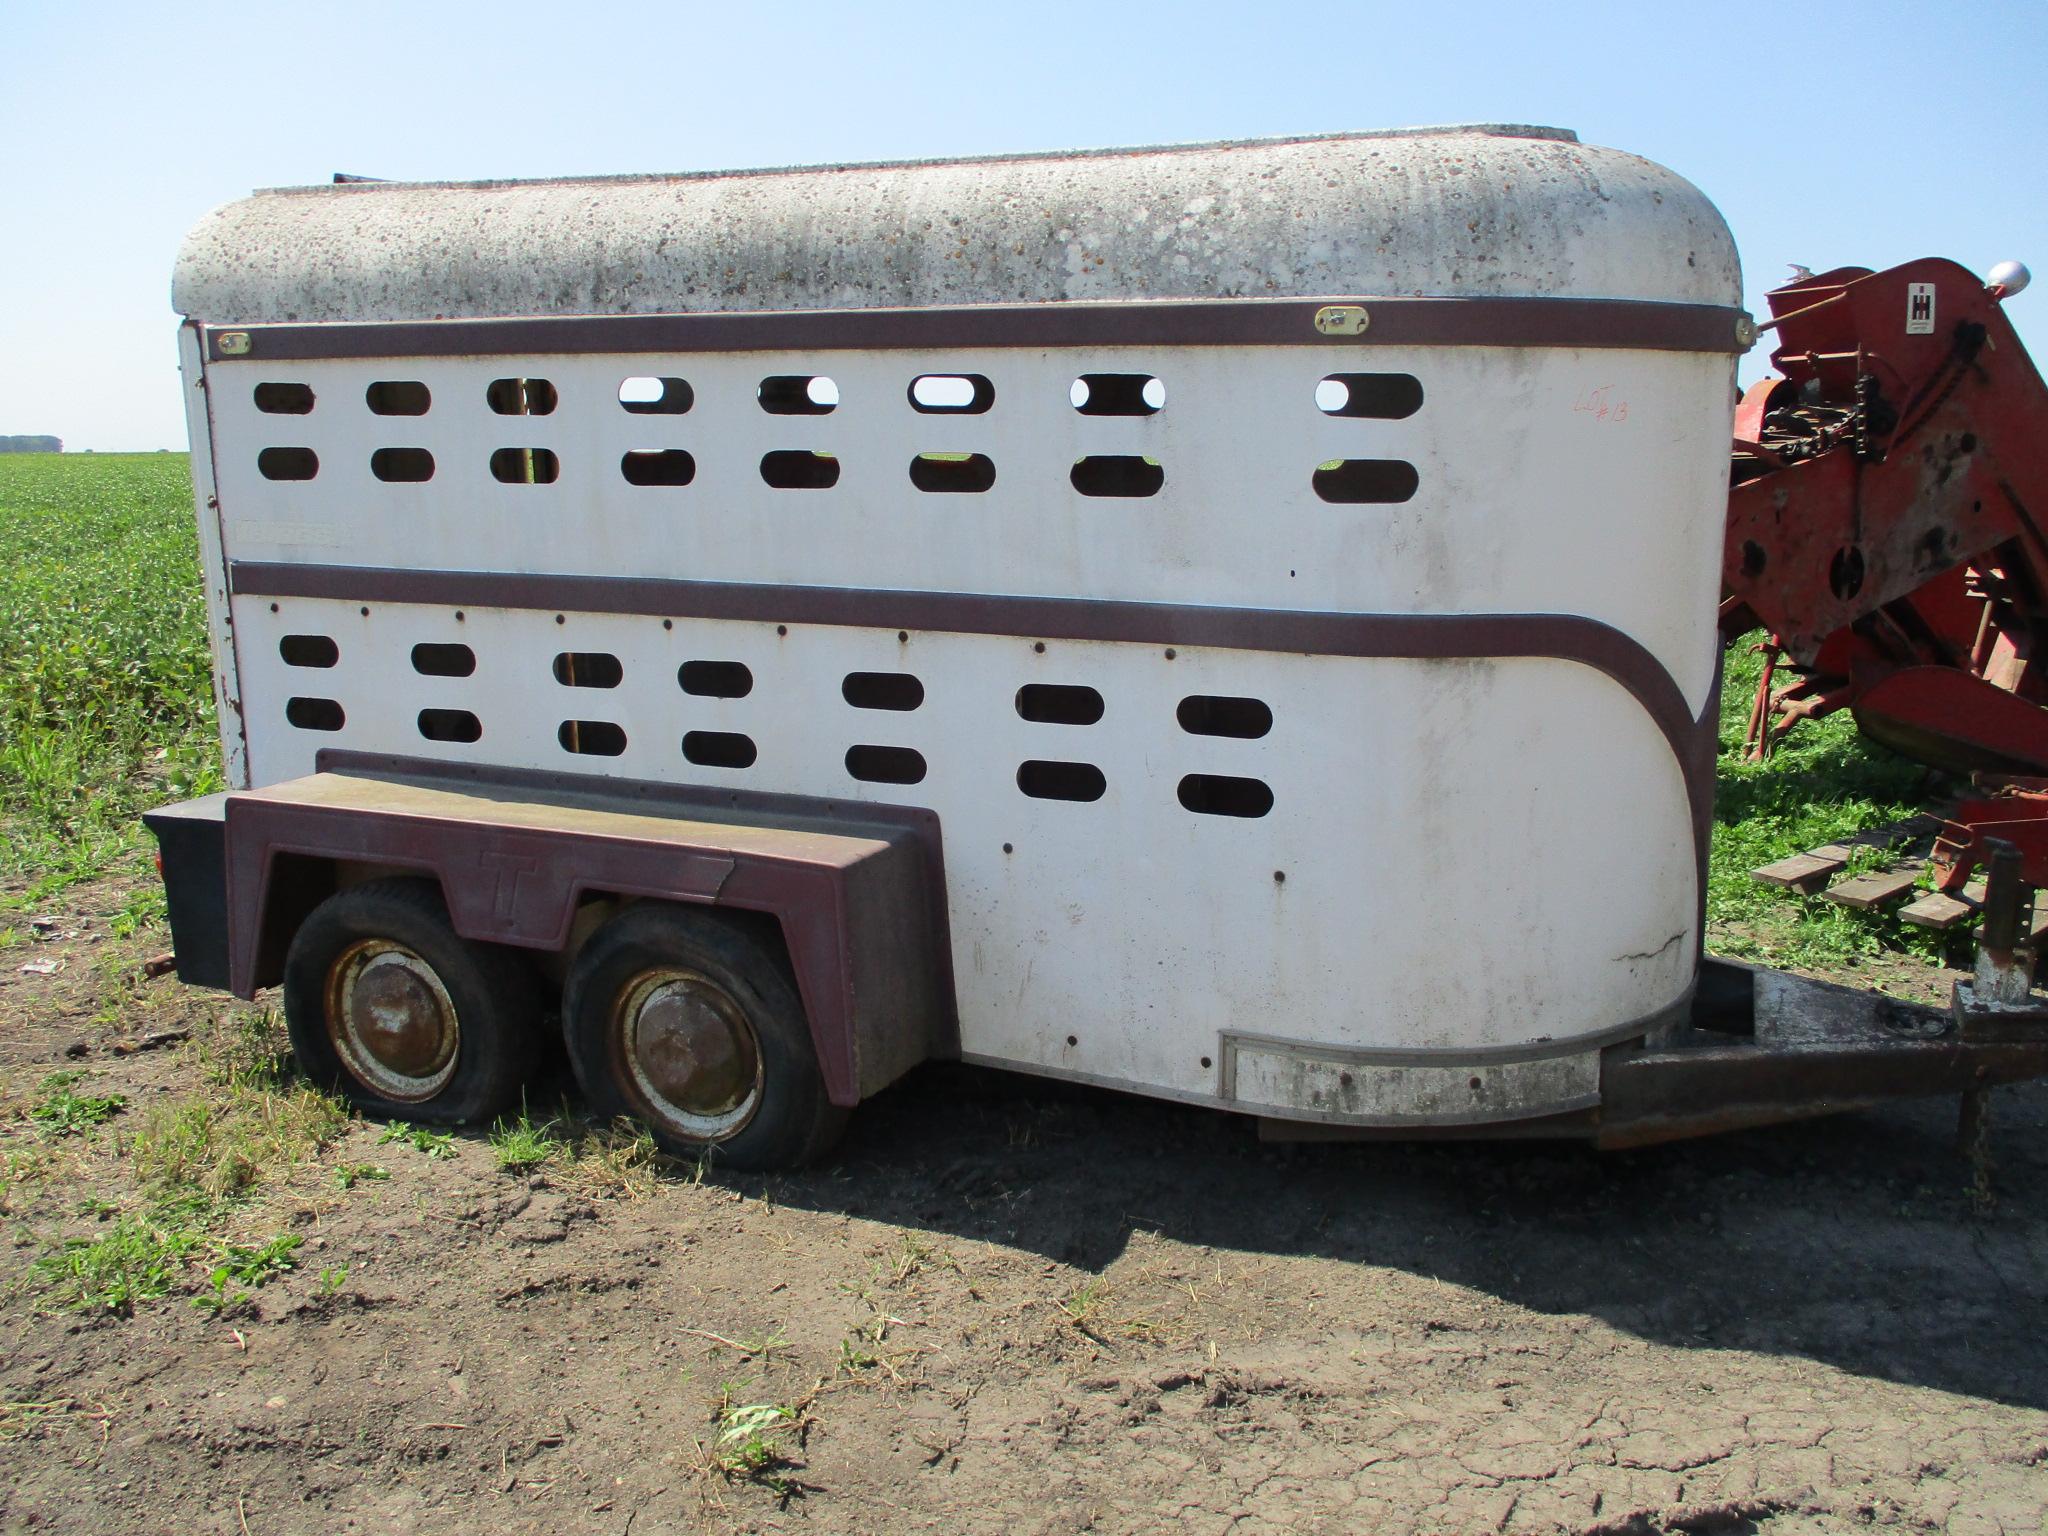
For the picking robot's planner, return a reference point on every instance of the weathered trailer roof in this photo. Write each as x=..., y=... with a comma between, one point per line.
x=1494, y=211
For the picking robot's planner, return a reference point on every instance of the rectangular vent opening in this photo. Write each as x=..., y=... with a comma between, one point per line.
x=308, y=651
x=885, y=765
x=1212, y=714
x=952, y=472
x=1061, y=781
x=525, y=466
x=1381, y=396
x=1059, y=703
x=716, y=679
x=1381, y=482
x=1117, y=474
x=799, y=470
x=882, y=690
x=1219, y=794
x=588, y=669
x=522, y=397
x=287, y=464
x=644, y=395
x=951, y=394
x=450, y=725
x=433, y=658
x=658, y=466
x=315, y=714
x=402, y=465
x=798, y=394
x=1118, y=394
x=284, y=399
x=398, y=397
x=592, y=738
x=719, y=749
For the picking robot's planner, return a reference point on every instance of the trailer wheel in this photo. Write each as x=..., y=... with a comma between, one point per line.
x=388, y=1006
x=687, y=1023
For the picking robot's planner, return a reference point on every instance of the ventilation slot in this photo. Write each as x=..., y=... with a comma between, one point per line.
x=1381, y=396
x=591, y=738
x=658, y=466
x=1061, y=781
x=796, y=394
x=952, y=472
x=588, y=669
x=798, y=470
x=284, y=399
x=882, y=690
x=1379, y=481
x=308, y=651
x=1117, y=394
x=716, y=679
x=719, y=749
x=645, y=396
x=398, y=397
x=951, y=394
x=885, y=765
x=1206, y=714
x=1117, y=474
x=521, y=397
x=1216, y=794
x=1059, y=704
x=402, y=464
x=287, y=464
x=314, y=714
x=443, y=659
x=525, y=466
x=450, y=725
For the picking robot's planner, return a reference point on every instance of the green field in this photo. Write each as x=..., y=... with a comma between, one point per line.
x=106, y=699
x=106, y=707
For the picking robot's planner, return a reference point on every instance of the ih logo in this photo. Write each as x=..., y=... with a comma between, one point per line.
x=1919, y=309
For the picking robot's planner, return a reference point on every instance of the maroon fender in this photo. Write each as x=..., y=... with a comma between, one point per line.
x=859, y=902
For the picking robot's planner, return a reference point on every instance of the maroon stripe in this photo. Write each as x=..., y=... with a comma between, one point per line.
x=1478, y=322
x=1425, y=636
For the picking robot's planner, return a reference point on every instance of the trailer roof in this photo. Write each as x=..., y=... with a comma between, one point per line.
x=1495, y=210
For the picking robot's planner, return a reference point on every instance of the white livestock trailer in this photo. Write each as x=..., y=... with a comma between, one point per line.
x=1230, y=622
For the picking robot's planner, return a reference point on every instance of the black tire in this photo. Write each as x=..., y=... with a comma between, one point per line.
x=686, y=1022
x=475, y=1008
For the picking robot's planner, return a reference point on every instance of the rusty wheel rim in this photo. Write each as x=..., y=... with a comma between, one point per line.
x=691, y=1055
x=391, y=1021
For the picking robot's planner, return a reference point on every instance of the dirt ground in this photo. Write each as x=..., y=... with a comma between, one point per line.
x=1006, y=1306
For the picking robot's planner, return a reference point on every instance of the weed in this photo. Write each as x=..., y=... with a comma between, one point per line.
x=521, y=1146
x=64, y=1112
x=619, y=1162
x=435, y=1144
x=136, y=1260
x=349, y=1175
x=753, y=1442
x=333, y=1279
x=243, y=1266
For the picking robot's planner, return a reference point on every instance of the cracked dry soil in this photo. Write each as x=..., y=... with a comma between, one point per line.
x=1008, y=1307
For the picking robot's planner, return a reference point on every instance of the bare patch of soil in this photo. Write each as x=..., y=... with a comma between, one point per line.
x=1005, y=1306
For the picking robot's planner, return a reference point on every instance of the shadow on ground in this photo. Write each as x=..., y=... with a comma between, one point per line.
x=1854, y=1241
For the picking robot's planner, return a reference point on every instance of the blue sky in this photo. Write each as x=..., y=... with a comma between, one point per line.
x=1827, y=134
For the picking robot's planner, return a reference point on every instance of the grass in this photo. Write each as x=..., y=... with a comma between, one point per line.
x=65, y=1112
x=1822, y=783
x=138, y=1260
x=106, y=695
x=520, y=1146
